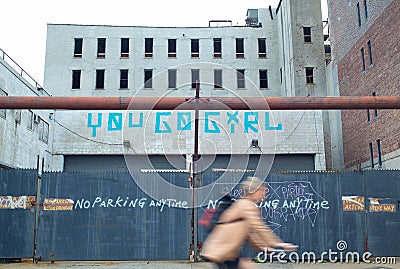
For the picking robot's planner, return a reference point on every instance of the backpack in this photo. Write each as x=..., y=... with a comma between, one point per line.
x=211, y=216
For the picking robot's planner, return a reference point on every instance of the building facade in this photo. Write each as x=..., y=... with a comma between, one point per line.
x=25, y=136
x=279, y=52
x=365, y=45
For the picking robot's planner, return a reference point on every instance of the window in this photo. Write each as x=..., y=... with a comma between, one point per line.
x=375, y=110
x=124, y=47
x=239, y=48
x=217, y=78
x=100, y=78
x=262, y=48
x=363, y=59
x=76, y=79
x=101, y=48
x=371, y=155
x=43, y=131
x=172, y=48
x=148, y=77
x=172, y=78
x=378, y=148
x=217, y=47
x=281, y=75
x=3, y=112
x=263, y=79
x=240, y=78
x=148, y=47
x=365, y=10
x=195, y=77
x=370, y=52
x=310, y=75
x=358, y=14
x=307, y=34
x=30, y=120
x=194, y=48
x=78, y=47
x=123, y=80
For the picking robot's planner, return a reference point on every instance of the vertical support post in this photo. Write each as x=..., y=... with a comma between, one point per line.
x=194, y=171
x=37, y=207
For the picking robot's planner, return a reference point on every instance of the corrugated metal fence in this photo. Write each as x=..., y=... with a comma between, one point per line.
x=107, y=216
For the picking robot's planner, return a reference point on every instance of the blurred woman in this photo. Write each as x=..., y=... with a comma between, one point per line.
x=241, y=222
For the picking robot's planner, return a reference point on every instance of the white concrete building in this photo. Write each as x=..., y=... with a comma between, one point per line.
x=25, y=135
x=278, y=53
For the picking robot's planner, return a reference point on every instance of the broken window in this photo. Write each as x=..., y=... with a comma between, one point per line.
x=194, y=47
x=148, y=81
x=100, y=78
x=78, y=47
x=307, y=34
x=262, y=48
x=239, y=48
x=148, y=47
x=263, y=74
x=101, y=48
x=123, y=81
x=217, y=47
x=76, y=79
x=172, y=48
x=124, y=47
x=310, y=75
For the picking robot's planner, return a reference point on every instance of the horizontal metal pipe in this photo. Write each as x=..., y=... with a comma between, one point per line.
x=206, y=103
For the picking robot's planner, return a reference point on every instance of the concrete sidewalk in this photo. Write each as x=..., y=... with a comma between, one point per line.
x=27, y=264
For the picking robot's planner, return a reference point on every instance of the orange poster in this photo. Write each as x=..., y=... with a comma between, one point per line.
x=353, y=203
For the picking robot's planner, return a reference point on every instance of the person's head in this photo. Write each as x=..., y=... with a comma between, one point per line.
x=253, y=188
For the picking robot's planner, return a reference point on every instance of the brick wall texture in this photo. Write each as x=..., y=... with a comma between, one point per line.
x=382, y=76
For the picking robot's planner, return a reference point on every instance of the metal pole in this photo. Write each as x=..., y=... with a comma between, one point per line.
x=206, y=103
x=194, y=169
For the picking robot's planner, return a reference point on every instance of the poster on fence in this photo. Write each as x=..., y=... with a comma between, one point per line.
x=381, y=205
x=353, y=203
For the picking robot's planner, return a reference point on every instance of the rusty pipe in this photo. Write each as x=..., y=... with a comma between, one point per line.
x=206, y=103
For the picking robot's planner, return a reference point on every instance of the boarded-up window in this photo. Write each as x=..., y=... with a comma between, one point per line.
x=172, y=78
x=240, y=78
x=218, y=78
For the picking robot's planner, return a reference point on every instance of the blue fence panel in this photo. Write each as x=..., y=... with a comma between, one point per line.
x=17, y=195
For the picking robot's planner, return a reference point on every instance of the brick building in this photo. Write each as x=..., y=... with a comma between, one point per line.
x=365, y=40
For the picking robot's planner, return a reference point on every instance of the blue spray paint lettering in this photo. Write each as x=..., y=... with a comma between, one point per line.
x=248, y=124
x=115, y=121
x=91, y=125
x=184, y=121
x=232, y=117
x=135, y=125
x=268, y=126
x=167, y=127
x=215, y=129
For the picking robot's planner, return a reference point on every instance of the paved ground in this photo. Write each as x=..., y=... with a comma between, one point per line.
x=27, y=264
